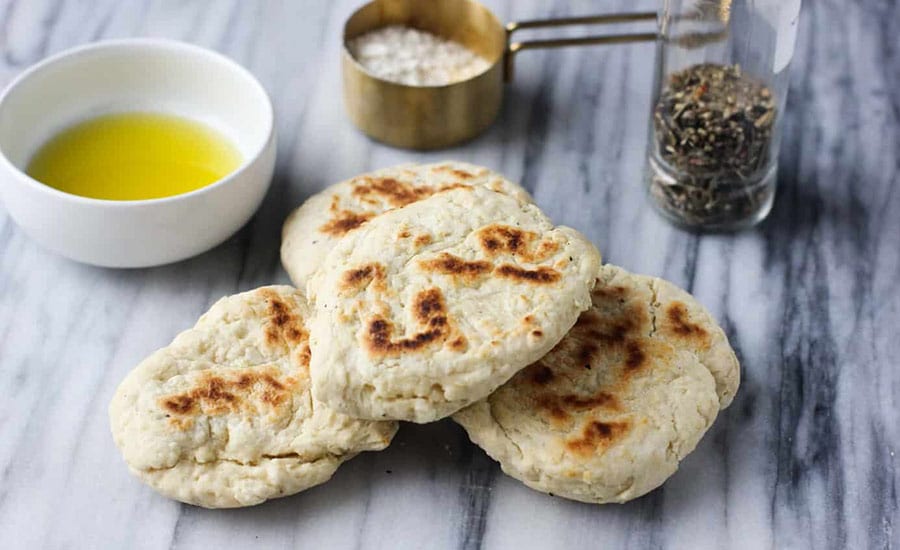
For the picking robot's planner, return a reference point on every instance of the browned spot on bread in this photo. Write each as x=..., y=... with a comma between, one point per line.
x=345, y=221
x=543, y=275
x=422, y=240
x=272, y=382
x=596, y=437
x=404, y=234
x=428, y=306
x=448, y=264
x=679, y=322
x=459, y=343
x=215, y=395
x=551, y=406
x=428, y=309
x=560, y=407
x=588, y=319
x=609, y=292
x=379, y=340
x=599, y=400
x=614, y=334
x=540, y=374
x=394, y=192
x=612, y=328
x=362, y=274
x=545, y=249
x=244, y=381
x=279, y=312
x=293, y=334
x=586, y=354
x=179, y=404
x=355, y=280
x=285, y=326
x=274, y=393
x=304, y=355
x=635, y=357
x=217, y=390
x=528, y=319
x=499, y=239
x=452, y=186
x=537, y=333
x=461, y=174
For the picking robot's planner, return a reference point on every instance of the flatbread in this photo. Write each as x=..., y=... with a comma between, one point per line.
x=430, y=307
x=313, y=229
x=223, y=416
x=609, y=413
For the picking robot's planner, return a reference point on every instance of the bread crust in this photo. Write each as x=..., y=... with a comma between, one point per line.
x=314, y=228
x=223, y=416
x=430, y=307
x=610, y=412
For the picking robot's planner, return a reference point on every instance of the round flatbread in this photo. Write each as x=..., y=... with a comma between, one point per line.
x=223, y=416
x=312, y=230
x=430, y=307
x=619, y=402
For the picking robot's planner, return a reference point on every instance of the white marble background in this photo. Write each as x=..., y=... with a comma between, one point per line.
x=806, y=456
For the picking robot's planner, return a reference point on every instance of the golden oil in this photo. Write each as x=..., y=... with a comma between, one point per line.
x=134, y=156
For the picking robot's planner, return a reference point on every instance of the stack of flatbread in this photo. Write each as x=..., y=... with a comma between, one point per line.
x=422, y=292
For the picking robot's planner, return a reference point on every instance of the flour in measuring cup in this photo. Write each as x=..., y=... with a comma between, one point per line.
x=415, y=58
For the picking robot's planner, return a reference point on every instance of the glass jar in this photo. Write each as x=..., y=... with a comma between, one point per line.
x=719, y=95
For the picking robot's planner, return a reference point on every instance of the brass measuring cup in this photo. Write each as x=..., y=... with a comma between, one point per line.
x=432, y=117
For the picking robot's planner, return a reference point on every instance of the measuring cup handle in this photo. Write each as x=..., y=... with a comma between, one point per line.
x=514, y=47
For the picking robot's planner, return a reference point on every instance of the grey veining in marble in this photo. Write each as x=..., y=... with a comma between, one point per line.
x=806, y=457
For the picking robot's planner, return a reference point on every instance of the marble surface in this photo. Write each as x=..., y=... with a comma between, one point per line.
x=806, y=457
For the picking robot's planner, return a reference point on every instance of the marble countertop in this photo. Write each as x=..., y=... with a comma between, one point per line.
x=806, y=457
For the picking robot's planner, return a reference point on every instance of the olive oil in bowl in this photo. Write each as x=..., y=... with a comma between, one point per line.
x=134, y=156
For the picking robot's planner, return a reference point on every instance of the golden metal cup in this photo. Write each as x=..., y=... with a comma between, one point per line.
x=433, y=117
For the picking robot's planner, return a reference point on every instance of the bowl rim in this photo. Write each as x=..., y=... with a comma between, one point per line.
x=136, y=44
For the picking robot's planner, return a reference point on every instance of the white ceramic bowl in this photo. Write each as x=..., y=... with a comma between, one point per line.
x=134, y=75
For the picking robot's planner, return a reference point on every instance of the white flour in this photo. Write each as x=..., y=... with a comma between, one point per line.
x=416, y=58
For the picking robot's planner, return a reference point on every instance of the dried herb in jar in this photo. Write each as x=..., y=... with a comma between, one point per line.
x=714, y=128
